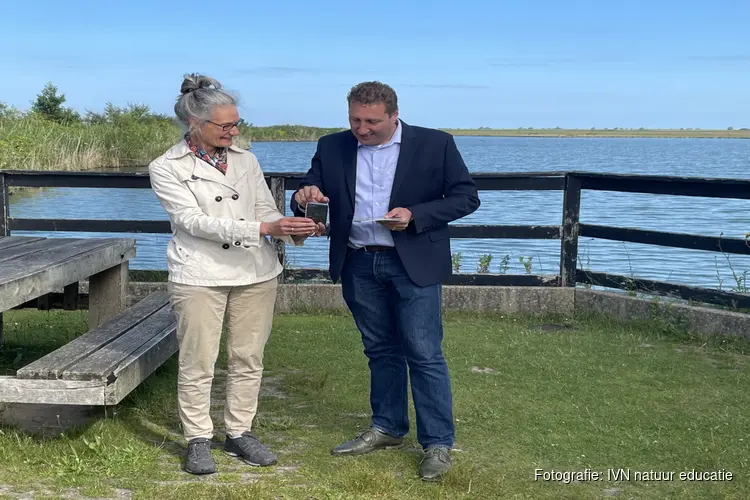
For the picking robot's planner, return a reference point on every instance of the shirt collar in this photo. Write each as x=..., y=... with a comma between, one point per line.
x=395, y=139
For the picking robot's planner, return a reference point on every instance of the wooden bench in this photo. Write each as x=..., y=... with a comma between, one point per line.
x=103, y=365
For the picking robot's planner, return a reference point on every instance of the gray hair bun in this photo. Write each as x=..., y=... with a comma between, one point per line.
x=194, y=81
x=199, y=95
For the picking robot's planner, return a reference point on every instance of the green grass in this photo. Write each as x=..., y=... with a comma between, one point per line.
x=551, y=393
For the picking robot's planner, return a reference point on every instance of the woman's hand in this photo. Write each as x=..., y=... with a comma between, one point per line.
x=319, y=231
x=289, y=226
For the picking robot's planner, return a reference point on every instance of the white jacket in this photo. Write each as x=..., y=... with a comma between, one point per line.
x=216, y=219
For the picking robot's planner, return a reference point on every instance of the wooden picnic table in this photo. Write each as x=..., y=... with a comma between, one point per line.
x=123, y=345
x=31, y=267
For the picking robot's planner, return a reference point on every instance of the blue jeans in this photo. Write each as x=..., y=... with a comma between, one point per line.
x=401, y=325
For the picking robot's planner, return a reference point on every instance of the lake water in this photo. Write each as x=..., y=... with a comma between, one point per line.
x=728, y=158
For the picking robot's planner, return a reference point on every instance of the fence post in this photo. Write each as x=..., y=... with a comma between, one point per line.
x=4, y=204
x=569, y=238
x=278, y=190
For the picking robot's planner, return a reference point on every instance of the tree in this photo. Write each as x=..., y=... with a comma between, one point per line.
x=50, y=105
x=8, y=111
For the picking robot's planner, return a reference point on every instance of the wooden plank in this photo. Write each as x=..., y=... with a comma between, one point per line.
x=108, y=293
x=667, y=239
x=55, y=363
x=278, y=191
x=686, y=292
x=70, y=297
x=503, y=280
x=570, y=227
x=53, y=251
x=504, y=231
x=78, y=179
x=20, y=286
x=671, y=185
x=519, y=182
x=59, y=301
x=62, y=392
x=102, y=362
x=4, y=204
x=28, y=248
x=12, y=241
x=90, y=225
x=141, y=363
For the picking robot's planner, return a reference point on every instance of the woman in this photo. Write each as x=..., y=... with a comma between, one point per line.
x=220, y=262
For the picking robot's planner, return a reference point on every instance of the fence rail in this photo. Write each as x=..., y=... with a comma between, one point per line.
x=572, y=185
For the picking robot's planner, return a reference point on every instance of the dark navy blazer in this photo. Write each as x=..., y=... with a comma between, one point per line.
x=431, y=180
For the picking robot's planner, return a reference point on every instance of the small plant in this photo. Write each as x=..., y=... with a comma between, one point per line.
x=456, y=262
x=483, y=267
x=505, y=264
x=526, y=262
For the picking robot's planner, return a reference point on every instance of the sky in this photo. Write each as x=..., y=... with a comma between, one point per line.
x=465, y=64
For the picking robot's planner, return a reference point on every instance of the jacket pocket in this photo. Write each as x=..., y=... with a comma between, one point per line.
x=179, y=253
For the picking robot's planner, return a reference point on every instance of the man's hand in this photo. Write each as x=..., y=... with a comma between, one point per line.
x=290, y=226
x=307, y=194
x=403, y=216
x=319, y=230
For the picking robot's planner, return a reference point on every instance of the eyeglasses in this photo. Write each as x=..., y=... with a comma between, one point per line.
x=226, y=127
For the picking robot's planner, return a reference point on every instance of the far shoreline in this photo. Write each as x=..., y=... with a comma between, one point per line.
x=743, y=133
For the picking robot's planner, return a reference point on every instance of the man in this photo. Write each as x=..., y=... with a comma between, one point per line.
x=391, y=271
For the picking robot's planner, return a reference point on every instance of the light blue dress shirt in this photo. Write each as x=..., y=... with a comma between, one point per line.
x=376, y=166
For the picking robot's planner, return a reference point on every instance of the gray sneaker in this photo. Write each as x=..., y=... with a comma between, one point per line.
x=199, y=459
x=249, y=449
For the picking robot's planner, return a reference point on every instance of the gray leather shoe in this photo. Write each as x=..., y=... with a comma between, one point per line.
x=435, y=463
x=370, y=440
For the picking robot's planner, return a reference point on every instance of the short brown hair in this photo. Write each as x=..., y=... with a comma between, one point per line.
x=373, y=93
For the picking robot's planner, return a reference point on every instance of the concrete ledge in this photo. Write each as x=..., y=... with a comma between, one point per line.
x=522, y=300
x=692, y=319
x=510, y=299
x=504, y=299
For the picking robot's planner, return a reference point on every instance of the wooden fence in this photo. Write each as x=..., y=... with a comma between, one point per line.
x=568, y=232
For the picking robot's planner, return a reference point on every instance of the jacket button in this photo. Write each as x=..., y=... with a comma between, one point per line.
x=218, y=198
x=237, y=243
x=194, y=177
x=235, y=197
x=225, y=246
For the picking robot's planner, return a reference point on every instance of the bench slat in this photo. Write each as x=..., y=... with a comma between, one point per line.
x=55, y=251
x=8, y=242
x=142, y=363
x=102, y=363
x=57, y=392
x=54, y=364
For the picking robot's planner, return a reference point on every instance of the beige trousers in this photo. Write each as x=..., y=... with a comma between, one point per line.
x=200, y=313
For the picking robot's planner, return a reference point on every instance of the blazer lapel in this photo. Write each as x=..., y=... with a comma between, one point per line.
x=405, y=155
x=350, y=166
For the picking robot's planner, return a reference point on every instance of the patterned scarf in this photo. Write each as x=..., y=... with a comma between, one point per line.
x=218, y=160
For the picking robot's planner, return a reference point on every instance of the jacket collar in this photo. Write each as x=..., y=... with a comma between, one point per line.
x=181, y=149
x=199, y=169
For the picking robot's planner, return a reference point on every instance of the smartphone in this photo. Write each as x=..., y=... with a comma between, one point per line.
x=317, y=211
